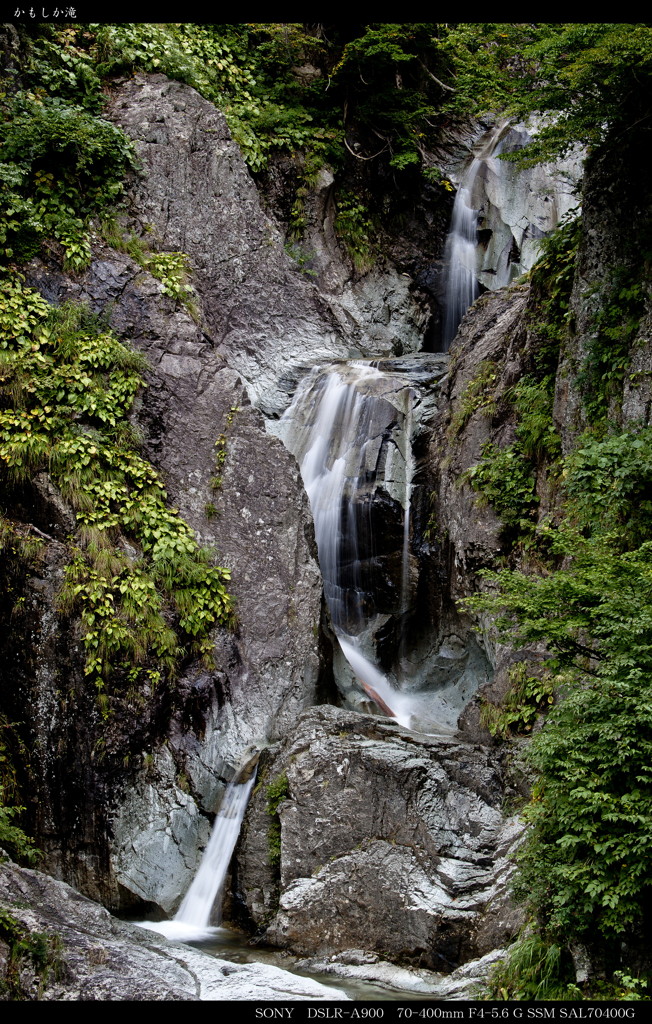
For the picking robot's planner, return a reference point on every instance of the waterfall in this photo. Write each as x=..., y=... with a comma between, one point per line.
x=500, y=214
x=350, y=427
x=193, y=918
x=461, y=251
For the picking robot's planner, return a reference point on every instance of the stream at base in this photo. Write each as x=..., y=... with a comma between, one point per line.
x=225, y=944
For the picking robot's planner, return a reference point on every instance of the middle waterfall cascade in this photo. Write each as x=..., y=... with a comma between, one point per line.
x=351, y=428
x=192, y=921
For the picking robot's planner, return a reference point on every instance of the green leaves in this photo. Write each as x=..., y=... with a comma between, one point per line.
x=621, y=306
x=505, y=480
x=355, y=230
x=594, y=78
x=588, y=861
x=613, y=473
x=61, y=165
x=68, y=386
x=12, y=837
x=528, y=696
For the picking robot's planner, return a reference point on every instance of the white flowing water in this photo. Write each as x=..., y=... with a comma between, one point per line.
x=335, y=446
x=192, y=921
x=350, y=427
x=500, y=214
x=461, y=251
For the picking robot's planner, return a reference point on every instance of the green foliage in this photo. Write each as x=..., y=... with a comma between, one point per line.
x=301, y=258
x=276, y=792
x=614, y=474
x=67, y=387
x=170, y=268
x=59, y=164
x=551, y=285
x=593, y=78
x=504, y=480
x=237, y=67
x=389, y=90
x=616, y=323
x=221, y=450
x=58, y=63
x=528, y=697
x=12, y=838
x=603, y=69
x=355, y=230
x=587, y=864
x=627, y=987
x=12, y=750
x=535, y=969
x=537, y=437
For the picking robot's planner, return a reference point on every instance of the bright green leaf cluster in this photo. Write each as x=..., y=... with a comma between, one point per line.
x=505, y=480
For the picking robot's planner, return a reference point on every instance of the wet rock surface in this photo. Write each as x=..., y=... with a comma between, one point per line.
x=466, y=982
x=89, y=955
x=385, y=840
x=405, y=837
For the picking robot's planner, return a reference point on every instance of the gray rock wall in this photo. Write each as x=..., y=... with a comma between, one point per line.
x=616, y=204
x=256, y=310
x=260, y=323
x=263, y=316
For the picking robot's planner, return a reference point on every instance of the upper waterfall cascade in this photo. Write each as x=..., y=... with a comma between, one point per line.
x=500, y=214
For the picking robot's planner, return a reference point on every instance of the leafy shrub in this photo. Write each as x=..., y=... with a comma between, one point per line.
x=60, y=165
x=355, y=230
x=504, y=480
x=479, y=393
x=586, y=866
x=614, y=474
x=536, y=433
x=68, y=386
x=36, y=949
x=551, y=285
x=534, y=969
x=608, y=354
x=12, y=838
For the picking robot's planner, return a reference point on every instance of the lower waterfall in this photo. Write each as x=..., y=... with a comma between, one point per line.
x=192, y=920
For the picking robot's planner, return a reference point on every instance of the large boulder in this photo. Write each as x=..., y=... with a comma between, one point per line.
x=363, y=835
x=196, y=196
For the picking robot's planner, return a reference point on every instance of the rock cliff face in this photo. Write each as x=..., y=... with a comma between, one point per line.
x=254, y=304
x=617, y=199
x=402, y=834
